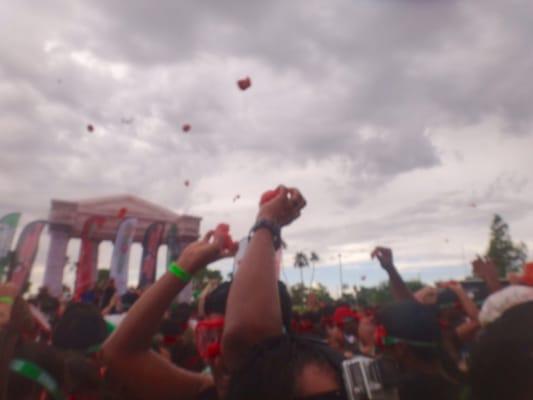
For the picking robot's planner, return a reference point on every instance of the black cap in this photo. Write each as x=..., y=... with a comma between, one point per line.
x=215, y=302
x=410, y=320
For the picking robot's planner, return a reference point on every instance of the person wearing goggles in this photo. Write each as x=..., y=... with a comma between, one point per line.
x=266, y=361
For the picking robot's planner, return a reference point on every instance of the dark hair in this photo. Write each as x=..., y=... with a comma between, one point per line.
x=446, y=298
x=502, y=360
x=181, y=312
x=80, y=328
x=128, y=299
x=171, y=327
x=418, y=325
x=411, y=321
x=272, y=368
x=71, y=372
x=215, y=302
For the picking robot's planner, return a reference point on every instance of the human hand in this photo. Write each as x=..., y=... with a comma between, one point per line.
x=514, y=278
x=484, y=268
x=281, y=206
x=384, y=255
x=199, y=254
x=426, y=295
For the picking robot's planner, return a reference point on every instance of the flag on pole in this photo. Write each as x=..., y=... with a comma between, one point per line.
x=8, y=226
x=121, y=254
x=151, y=241
x=85, y=270
x=25, y=253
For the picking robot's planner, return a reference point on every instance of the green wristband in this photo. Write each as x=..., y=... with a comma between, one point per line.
x=179, y=272
x=35, y=373
x=7, y=300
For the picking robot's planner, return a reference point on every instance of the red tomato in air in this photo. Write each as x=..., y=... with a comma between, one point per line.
x=186, y=128
x=244, y=83
x=268, y=195
x=90, y=128
x=223, y=230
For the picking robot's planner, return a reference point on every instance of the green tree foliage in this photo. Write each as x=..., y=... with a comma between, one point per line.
x=507, y=255
x=363, y=296
x=381, y=294
x=299, y=294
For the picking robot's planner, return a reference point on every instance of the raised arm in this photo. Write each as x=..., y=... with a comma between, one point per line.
x=467, y=331
x=253, y=312
x=469, y=307
x=127, y=351
x=399, y=289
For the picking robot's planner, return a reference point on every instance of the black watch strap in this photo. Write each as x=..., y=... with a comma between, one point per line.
x=274, y=229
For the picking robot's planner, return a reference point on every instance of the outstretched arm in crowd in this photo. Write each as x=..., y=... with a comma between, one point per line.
x=469, y=307
x=467, y=330
x=253, y=312
x=127, y=352
x=399, y=289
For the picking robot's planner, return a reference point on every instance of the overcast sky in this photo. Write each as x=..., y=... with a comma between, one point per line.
x=393, y=117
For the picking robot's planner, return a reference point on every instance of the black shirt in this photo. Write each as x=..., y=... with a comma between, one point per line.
x=209, y=394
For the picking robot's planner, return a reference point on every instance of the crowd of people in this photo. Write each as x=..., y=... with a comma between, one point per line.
x=243, y=341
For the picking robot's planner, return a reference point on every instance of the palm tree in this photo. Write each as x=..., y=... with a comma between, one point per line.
x=314, y=258
x=301, y=261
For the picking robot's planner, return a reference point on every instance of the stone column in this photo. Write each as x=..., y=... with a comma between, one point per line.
x=57, y=258
x=185, y=296
x=94, y=259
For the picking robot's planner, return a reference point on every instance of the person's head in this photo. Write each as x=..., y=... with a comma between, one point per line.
x=209, y=330
x=346, y=320
x=286, y=368
x=215, y=303
x=498, y=303
x=43, y=291
x=426, y=295
x=451, y=312
x=21, y=361
x=310, y=324
x=411, y=333
x=128, y=299
x=181, y=313
x=81, y=328
x=501, y=363
x=366, y=330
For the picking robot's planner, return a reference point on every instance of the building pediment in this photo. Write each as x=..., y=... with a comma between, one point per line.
x=72, y=215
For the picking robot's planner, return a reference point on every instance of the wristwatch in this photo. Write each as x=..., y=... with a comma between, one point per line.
x=274, y=229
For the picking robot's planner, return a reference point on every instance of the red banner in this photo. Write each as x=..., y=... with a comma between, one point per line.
x=151, y=241
x=25, y=253
x=84, y=272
